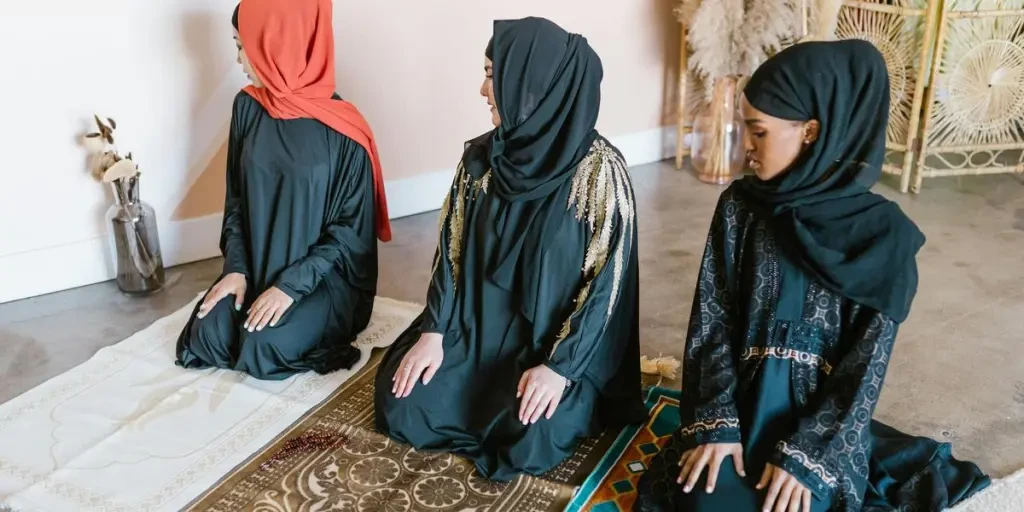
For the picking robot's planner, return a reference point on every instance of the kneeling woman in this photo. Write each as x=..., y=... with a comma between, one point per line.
x=305, y=203
x=806, y=277
x=529, y=340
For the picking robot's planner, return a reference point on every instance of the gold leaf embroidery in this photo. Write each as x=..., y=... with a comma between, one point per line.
x=600, y=192
x=453, y=215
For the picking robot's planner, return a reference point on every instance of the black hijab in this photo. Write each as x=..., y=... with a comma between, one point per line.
x=828, y=221
x=234, y=17
x=547, y=86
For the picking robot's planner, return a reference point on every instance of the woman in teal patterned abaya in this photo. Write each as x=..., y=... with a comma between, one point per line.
x=805, y=280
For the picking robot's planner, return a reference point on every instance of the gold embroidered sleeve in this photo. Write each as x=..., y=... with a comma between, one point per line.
x=448, y=258
x=602, y=197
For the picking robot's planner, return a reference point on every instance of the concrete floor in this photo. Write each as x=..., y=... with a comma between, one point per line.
x=956, y=375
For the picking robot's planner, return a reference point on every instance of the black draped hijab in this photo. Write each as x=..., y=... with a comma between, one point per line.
x=828, y=221
x=547, y=86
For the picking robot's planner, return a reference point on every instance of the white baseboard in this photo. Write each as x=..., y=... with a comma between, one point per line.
x=646, y=147
x=425, y=192
x=418, y=194
x=89, y=261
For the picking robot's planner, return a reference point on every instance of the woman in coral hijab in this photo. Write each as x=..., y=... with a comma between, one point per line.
x=303, y=210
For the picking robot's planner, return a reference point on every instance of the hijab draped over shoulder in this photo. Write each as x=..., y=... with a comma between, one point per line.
x=828, y=221
x=290, y=45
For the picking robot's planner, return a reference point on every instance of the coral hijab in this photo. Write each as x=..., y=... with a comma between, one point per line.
x=290, y=45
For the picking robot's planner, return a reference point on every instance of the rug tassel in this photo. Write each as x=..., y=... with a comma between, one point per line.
x=666, y=367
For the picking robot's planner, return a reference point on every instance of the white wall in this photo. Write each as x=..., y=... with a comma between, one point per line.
x=162, y=69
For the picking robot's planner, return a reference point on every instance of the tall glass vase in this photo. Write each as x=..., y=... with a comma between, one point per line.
x=716, y=147
x=140, y=268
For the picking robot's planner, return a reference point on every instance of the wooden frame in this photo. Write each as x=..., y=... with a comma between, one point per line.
x=948, y=130
x=902, y=31
x=681, y=129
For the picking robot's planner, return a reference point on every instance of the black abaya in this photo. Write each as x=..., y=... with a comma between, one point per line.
x=536, y=264
x=298, y=215
x=500, y=317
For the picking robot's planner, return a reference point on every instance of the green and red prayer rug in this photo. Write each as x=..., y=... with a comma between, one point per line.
x=611, y=487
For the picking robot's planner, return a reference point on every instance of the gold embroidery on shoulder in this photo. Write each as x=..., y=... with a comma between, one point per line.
x=456, y=224
x=453, y=215
x=601, y=192
x=480, y=185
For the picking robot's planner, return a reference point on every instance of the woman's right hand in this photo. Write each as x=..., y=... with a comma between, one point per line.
x=231, y=284
x=424, y=358
x=694, y=461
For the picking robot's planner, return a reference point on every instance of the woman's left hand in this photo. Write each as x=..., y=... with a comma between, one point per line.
x=541, y=390
x=268, y=309
x=785, y=494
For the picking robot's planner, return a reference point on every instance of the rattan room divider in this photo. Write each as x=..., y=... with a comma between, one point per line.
x=956, y=71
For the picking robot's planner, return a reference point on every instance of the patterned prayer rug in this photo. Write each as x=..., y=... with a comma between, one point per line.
x=335, y=460
x=612, y=485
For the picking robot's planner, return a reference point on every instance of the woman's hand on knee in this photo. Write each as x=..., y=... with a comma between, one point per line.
x=541, y=391
x=423, y=359
x=231, y=284
x=785, y=492
x=268, y=308
x=711, y=456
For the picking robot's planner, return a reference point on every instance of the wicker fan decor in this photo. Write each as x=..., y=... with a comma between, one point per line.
x=974, y=111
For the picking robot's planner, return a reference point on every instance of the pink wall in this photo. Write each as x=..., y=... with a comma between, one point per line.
x=415, y=74
x=414, y=68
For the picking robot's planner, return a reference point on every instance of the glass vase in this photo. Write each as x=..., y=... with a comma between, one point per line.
x=140, y=268
x=716, y=143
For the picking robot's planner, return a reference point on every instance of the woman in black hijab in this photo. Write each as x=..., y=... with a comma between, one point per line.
x=805, y=280
x=529, y=340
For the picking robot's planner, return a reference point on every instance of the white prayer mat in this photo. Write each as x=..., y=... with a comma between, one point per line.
x=129, y=431
x=1004, y=495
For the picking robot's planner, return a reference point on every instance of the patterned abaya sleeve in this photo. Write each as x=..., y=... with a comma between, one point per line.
x=707, y=408
x=448, y=257
x=232, y=236
x=830, y=449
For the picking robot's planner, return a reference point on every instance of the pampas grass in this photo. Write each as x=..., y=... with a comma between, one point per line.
x=685, y=10
x=824, y=17
x=768, y=26
x=733, y=37
x=713, y=34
